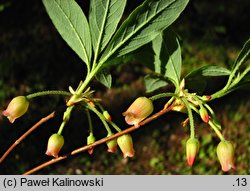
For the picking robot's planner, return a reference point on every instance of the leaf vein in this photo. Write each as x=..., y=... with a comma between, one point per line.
x=78, y=36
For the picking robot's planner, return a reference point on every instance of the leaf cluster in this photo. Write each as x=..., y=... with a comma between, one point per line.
x=98, y=39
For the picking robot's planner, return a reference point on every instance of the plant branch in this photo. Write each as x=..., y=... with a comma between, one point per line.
x=43, y=120
x=99, y=142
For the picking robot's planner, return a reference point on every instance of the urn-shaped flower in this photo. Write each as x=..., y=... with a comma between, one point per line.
x=125, y=143
x=112, y=144
x=55, y=144
x=16, y=108
x=141, y=108
x=225, y=153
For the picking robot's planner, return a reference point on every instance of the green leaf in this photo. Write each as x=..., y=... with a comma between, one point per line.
x=143, y=25
x=103, y=20
x=173, y=48
x=105, y=78
x=72, y=25
x=243, y=56
x=168, y=59
x=157, y=48
x=209, y=71
x=153, y=83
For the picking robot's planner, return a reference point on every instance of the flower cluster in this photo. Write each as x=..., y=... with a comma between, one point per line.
x=225, y=153
x=139, y=110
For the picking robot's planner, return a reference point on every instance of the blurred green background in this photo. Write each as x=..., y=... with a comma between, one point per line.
x=33, y=57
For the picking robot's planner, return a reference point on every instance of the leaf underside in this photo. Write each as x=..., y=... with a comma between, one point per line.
x=105, y=78
x=168, y=59
x=143, y=25
x=104, y=17
x=153, y=83
x=72, y=25
x=209, y=71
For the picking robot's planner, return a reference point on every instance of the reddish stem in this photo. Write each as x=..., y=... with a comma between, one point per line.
x=43, y=120
x=101, y=141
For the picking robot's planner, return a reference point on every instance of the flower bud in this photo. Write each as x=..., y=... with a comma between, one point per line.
x=192, y=148
x=206, y=97
x=107, y=116
x=225, y=153
x=16, y=108
x=90, y=140
x=125, y=143
x=204, y=114
x=141, y=108
x=112, y=145
x=55, y=144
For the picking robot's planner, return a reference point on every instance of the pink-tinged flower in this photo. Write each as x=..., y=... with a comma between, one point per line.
x=225, y=153
x=204, y=114
x=125, y=143
x=107, y=116
x=90, y=140
x=141, y=108
x=55, y=144
x=192, y=148
x=16, y=108
x=112, y=144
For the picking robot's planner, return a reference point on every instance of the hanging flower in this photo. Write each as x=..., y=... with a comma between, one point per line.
x=225, y=153
x=112, y=144
x=90, y=140
x=55, y=144
x=192, y=148
x=125, y=143
x=141, y=108
x=16, y=108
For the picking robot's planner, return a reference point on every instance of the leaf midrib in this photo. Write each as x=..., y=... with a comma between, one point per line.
x=172, y=63
x=102, y=28
x=132, y=34
x=78, y=36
